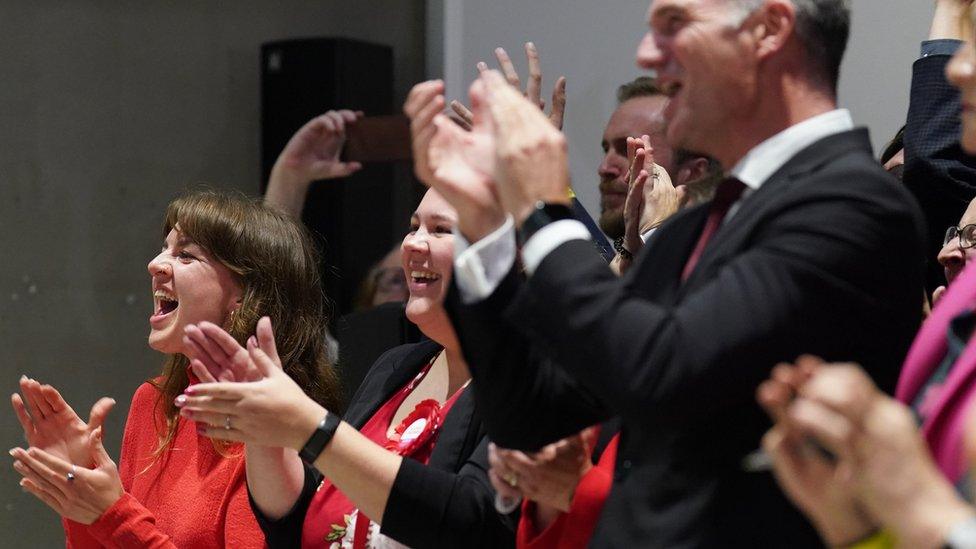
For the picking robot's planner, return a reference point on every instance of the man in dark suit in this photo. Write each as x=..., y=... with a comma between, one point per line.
x=808, y=247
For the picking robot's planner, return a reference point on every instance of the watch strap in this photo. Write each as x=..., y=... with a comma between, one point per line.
x=323, y=433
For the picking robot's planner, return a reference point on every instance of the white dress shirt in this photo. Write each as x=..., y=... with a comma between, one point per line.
x=479, y=268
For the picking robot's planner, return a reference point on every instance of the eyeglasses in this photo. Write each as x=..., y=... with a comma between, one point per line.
x=967, y=236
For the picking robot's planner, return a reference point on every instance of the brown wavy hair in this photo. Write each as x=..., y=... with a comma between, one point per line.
x=273, y=259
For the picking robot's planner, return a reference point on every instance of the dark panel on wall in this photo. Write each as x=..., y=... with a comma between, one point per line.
x=352, y=217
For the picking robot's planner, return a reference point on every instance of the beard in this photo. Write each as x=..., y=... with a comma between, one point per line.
x=612, y=222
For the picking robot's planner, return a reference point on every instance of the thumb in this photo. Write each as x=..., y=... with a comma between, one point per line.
x=937, y=294
x=266, y=339
x=100, y=411
x=98, y=454
x=265, y=364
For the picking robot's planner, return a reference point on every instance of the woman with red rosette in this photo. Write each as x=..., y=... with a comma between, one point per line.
x=407, y=465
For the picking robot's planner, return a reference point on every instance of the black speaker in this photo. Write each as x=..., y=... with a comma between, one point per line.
x=352, y=218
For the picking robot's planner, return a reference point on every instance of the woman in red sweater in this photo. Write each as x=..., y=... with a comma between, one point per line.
x=226, y=260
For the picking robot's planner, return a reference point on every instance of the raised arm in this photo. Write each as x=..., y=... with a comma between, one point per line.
x=310, y=155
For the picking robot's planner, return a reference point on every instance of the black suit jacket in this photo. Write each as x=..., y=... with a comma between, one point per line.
x=447, y=503
x=937, y=171
x=825, y=258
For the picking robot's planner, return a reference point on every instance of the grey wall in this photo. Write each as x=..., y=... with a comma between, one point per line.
x=107, y=111
x=593, y=44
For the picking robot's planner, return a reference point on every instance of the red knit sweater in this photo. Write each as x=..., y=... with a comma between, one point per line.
x=189, y=497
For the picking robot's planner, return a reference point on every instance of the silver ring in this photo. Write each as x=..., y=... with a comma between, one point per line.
x=227, y=423
x=71, y=474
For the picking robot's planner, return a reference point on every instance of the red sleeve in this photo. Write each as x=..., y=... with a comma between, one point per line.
x=127, y=524
x=575, y=528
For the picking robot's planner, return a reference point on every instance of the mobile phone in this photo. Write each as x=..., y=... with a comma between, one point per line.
x=378, y=139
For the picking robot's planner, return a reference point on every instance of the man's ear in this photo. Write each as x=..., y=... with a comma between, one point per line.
x=772, y=26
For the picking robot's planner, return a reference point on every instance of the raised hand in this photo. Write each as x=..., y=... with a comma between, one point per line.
x=75, y=492
x=50, y=424
x=531, y=159
x=651, y=197
x=533, y=88
x=271, y=412
x=310, y=155
x=424, y=102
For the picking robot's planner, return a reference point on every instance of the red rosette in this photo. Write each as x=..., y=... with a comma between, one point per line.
x=429, y=410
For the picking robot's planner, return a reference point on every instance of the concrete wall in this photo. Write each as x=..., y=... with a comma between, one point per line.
x=593, y=44
x=108, y=110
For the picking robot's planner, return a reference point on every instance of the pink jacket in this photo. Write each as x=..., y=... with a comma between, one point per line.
x=944, y=428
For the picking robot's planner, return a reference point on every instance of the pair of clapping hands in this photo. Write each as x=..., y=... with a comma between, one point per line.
x=504, y=155
x=880, y=473
x=246, y=397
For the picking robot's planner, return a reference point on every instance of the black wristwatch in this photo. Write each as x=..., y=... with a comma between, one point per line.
x=320, y=438
x=542, y=215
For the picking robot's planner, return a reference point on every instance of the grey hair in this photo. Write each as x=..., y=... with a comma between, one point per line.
x=822, y=26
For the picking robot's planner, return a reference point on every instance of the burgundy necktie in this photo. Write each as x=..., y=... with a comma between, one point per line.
x=729, y=190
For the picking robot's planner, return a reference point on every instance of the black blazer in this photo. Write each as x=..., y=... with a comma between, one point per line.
x=447, y=503
x=941, y=176
x=825, y=258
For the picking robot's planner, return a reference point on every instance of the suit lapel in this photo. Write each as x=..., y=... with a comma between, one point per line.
x=728, y=240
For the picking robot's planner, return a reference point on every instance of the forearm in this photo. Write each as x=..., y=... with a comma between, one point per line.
x=363, y=470
x=286, y=193
x=125, y=525
x=950, y=21
x=275, y=477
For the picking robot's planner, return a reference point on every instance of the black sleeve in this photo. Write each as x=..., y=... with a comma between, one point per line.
x=940, y=175
x=287, y=531
x=527, y=400
x=431, y=507
x=822, y=267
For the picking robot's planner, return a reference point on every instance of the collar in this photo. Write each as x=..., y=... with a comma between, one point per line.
x=769, y=156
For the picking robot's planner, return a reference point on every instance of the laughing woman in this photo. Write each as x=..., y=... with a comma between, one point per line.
x=225, y=260
x=408, y=462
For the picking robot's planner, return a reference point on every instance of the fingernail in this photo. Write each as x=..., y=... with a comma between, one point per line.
x=530, y=44
x=252, y=341
x=189, y=391
x=499, y=50
x=12, y=451
x=180, y=401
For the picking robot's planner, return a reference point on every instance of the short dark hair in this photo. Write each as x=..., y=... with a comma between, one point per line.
x=642, y=86
x=823, y=27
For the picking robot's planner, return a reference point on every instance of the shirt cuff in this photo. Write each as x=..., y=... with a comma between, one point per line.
x=646, y=235
x=480, y=267
x=940, y=46
x=550, y=237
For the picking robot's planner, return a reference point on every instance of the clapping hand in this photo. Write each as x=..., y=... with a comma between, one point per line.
x=531, y=159
x=75, y=492
x=271, y=411
x=50, y=424
x=533, y=89
x=548, y=477
x=651, y=196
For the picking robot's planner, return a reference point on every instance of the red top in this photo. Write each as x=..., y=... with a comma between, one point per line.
x=574, y=529
x=190, y=496
x=332, y=519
